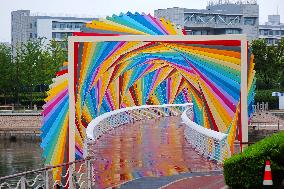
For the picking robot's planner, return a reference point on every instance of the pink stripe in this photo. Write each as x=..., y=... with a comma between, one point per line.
x=108, y=97
x=169, y=88
x=93, y=77
x=155, y=78
x=117, y=46
x=158, y=22
x=52, y=110
x=223, y=99
x=185, y=96
x=51, y=104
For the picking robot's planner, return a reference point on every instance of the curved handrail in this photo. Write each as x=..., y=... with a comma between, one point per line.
x=98, y=120
x=209, y=143
x=202, y=130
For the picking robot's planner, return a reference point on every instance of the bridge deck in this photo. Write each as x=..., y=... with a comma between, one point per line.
x=152, y=148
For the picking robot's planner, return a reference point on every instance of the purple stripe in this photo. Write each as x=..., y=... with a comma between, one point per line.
x=153, y=23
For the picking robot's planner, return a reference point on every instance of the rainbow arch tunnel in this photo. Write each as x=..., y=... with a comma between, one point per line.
x=109, y=75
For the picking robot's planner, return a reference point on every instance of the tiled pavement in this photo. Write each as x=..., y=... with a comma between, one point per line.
x=212, y=180
x=149, y=154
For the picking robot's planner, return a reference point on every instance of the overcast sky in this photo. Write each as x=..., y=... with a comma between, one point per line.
x=108, y=7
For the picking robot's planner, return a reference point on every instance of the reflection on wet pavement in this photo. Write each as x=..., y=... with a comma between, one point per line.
x=149, y=148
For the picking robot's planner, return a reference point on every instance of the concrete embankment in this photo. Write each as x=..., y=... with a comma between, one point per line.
x=20, y=125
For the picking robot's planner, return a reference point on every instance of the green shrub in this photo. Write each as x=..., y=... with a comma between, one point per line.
x=245, y=170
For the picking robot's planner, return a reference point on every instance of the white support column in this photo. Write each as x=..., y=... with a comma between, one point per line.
x=71, y=128
x=244, y=89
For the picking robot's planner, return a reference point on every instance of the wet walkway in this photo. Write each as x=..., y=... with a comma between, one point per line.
x=152, y=148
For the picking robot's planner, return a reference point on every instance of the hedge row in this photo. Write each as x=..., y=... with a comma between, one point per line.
x=246, y=170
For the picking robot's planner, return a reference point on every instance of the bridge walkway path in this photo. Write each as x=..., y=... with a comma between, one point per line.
x=149, y=154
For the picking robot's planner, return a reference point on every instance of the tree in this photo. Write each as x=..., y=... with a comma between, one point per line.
x=280, y=62
x=267, y=62
x=29, y=56
x=31, y=69
x=6, y=71
x=36, y=63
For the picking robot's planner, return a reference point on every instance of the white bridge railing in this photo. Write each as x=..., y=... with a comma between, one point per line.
x=211, y=144
x=113, y=119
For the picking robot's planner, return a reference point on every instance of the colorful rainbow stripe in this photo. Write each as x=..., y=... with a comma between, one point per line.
x=113, y=75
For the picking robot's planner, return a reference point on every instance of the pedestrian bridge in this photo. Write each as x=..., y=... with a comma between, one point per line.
x=151, y=141
x=99, y=108
x=152, y=145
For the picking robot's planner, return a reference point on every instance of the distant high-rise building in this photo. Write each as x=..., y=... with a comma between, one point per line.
x=222, y=17
x=25, y=26
x=272, y=31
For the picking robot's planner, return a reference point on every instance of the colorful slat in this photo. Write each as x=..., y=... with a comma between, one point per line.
x=113, y=75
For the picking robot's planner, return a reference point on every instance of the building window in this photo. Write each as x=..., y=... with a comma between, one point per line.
x=31, y=25
x=62, y=25
x=277, y=32
x=249, y=21
x=261, y=32
x=35, y=24
x=35, y=35
x=232, y=31
x=270, y=32
x=282, y=32
x=31, y=35
x=204, y=32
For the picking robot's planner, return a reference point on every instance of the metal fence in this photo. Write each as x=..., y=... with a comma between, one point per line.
x=77, y=174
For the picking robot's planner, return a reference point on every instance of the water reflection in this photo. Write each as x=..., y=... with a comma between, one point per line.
x=152, y=148
x=19, y=156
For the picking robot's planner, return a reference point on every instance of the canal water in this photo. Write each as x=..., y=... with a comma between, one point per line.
x=20, y=155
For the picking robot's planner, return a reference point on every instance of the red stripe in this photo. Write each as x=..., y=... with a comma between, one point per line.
x=240, y=125
x=267, y=175
x=92, y=34
x=210, y=42
x=76, y=46
x=62, y=72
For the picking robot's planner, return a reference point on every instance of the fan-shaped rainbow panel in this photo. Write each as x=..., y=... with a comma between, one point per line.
x=111, y=75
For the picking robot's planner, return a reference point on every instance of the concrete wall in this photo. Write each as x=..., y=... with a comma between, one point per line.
x=20, y=125
x=44, y=29
x=175, y=15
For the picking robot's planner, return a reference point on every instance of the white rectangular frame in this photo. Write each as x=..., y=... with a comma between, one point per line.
x=128, y=38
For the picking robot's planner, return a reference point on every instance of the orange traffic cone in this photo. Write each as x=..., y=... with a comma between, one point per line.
x=267, y=180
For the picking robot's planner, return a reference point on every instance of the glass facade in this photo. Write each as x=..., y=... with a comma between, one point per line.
x=66, y=25
x=60, y=35
x=249, y=21
x=232, y=31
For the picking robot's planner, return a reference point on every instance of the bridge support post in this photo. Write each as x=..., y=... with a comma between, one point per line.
x=23, y=182
x=89, y=174
x=46, y=184
x=244, y=87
